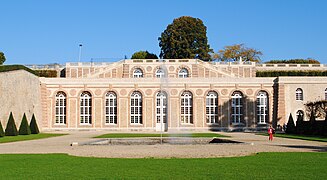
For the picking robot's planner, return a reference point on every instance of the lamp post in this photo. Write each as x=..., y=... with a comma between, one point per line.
x=80, y=52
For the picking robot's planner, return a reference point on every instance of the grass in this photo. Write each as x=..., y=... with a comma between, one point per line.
x=7, y=139
x=260, y=166
x=302, y=137
x=137, y=135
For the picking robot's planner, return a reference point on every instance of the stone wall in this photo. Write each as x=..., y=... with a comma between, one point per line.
x=19, y=94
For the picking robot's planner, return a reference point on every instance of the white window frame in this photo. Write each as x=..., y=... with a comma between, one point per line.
x=60, y=108
x=111, y=108
x=237, y=107
x=183, y=73
x=160, y=73
x=299, y=94
x=212, y=108
x=161, y=103
x=262, y=107
x=138, y=73
x=86, y=108
x=186, y=108
x=136, y=108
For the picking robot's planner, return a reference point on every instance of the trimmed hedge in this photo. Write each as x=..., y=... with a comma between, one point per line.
x=24, y=128
x=2, y=133
x=33, y=126
x=46, y=73
x=293, y=61
x=11, y=129
x=40, y=73
x=290, y=73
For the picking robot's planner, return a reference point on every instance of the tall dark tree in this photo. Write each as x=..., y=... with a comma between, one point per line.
x=185, y=38
x=299, y=124
x=11, y=129
x=33, y=126
x=144, y=55
x=2, y=58
x=290, y=129
x=24, y=128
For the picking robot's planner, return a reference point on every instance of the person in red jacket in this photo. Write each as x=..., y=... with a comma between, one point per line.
x=270, y=132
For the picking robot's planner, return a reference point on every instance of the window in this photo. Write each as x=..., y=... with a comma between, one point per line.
x=161, y=107
x=262, y=107
x=237, y=107
x=299, y=113
x=138, y=73
x=299, y=94
x=186, y=108
x=60, y=108
x=86, y=108
x=136, y=108
x=183, y=73
x=212, y=107
x=111, y=108
x=160, y=73
x=326, y=94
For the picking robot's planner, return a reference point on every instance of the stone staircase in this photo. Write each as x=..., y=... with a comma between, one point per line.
x=106, y=69
x=226, y=73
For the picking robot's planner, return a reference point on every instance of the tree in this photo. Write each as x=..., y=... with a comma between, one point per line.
x=33, y=126
x=290, y=129
x=11, y=129
x=185, y=38
x=235, y=52
x=24, y=128
x=2, y=58
x=144, y=55
x=2, y=133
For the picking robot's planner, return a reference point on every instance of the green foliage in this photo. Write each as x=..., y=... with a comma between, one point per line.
x=235, y=52
x=296, y=165
x=294, y=61
x=2, y=133
x=290, y=73
x=2, y=58
x=46, y=73
x=144, y=55
x=33, y=126
x=24, y=128
x=11, y=129
x=6, y=68
x=185, y=38
x=290, y=129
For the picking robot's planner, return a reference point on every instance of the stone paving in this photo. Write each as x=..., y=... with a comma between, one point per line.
x=251, y=144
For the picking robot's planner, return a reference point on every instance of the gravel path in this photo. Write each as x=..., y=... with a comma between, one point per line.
x=252, y=144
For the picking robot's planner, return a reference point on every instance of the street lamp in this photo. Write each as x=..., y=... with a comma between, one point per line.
x=80, y=52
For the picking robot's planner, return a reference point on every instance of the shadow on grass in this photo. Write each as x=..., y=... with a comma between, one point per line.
x=313, y=148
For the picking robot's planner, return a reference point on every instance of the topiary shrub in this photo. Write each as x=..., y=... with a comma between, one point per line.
x=33, y=126
x=2, y=133
x=299, y=125
x=11, y=129
x=290, y=129
x=24, y=128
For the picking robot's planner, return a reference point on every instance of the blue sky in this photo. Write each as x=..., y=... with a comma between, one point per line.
x=44, y=31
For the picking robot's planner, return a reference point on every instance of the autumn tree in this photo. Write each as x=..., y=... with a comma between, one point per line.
x=185, y=38
x=2, y=58
x=235, y=52
x=144, y=55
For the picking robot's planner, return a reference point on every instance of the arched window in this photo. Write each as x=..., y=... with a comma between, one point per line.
x=161, y=107
x=326, y=94
x=136, y=108
x=86, y=108
x=262, y=107
x=160, y=73
x=138, y=73
x=186, y=108
x=299, y=94
x=237, y=107
x=212, y=107
x=111, y=108
x=183, y=73
x=60, y=108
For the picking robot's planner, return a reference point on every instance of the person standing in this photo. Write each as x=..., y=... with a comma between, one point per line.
x=270, y=132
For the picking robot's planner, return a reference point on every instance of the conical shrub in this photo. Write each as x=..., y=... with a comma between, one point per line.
x=33, y=126
x=11, y=129
x=24, y=128
x=2, y=133
x=290, y=128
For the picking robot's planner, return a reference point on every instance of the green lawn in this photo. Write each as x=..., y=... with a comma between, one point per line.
x=302, y=137
x=260, y=166
x=136, y=135
x=7, y=139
